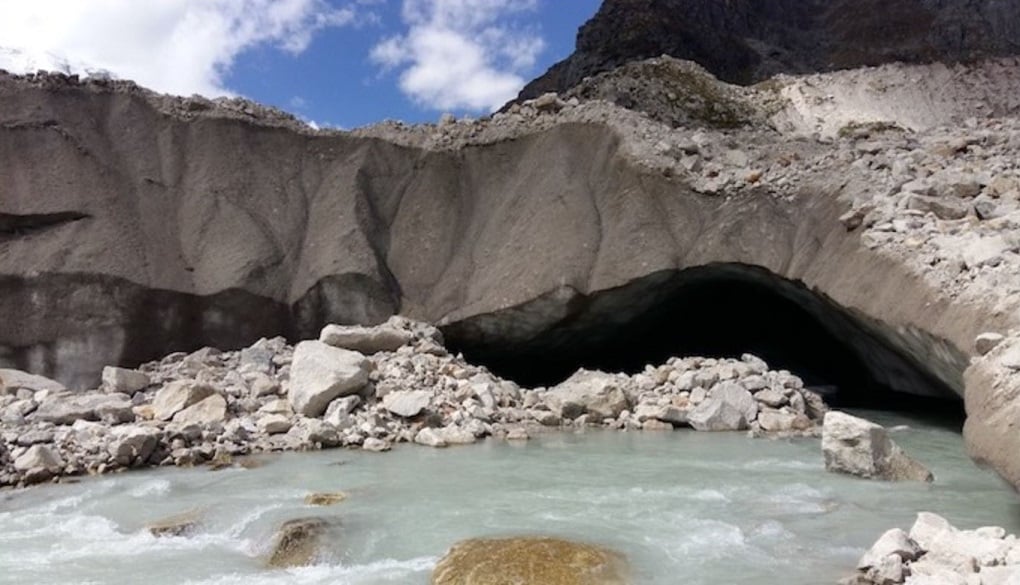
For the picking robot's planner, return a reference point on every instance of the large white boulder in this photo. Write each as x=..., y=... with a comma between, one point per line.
x=320, y=373
x=132, y=445
x=39, y=457
x=124, y=380
x=13, y=380
x=892, y=542
x=367, y=340
x=716, y=414
x=597, y=394
x=738, y=397
x=860, y=447
x=210, y=410
x=430, y=438
x=64, y=408
x=178, y=395
x=407, y=404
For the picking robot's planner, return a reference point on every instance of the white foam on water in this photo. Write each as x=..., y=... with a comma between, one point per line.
x=771, y=530
x=238, y=528
x=148, y=489
x=785, y=464
x=374, y=573
x=709, y=495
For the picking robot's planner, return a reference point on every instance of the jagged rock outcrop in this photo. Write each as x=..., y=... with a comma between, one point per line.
x=744, y=41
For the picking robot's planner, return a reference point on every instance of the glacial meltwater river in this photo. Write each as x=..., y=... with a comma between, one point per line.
x=684, y=507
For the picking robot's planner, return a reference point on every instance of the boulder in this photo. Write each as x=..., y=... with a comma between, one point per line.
x=34, y=438
x=773, y=397
x=321, y=373
x=454, y=435
x=178, y=395
x=40, y=457
x=263, y=385
x=366, y=340
x=430, y=438
x=375, y=445
x=986, y=251
x=124, y=381
x=66, y=407
x=986, y=342
x=655, y=424
x=176, y=526
x=314, y=433
x=407, y=404
x=325, y=498
x=715, y=414
x=779, y=421
x=859, y=447
x=889, y=570
x=942, y=208
x=1008, y=575
x=345, y=405
x=529, y=561
x=278, y=406
x=892, y=542
x=274, y=424
x=297, y=543
x=738, y=397
x=13, y=380
x=597, y=394
x=209, y=410
x=132, y=445
x=967, y=548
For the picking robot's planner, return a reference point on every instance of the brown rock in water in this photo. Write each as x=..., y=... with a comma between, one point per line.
x=298, y=543
x=180, y=525
x=529, y=561
x=325, y=499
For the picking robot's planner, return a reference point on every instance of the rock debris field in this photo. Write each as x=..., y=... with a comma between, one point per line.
x=367, y=388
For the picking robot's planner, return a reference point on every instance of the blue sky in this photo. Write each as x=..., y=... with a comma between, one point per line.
x=333, y=62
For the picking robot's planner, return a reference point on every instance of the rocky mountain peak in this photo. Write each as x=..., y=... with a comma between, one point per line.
x=745, y=41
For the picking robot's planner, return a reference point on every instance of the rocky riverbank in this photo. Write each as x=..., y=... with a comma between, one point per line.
x=366, y=388
x=934, y=552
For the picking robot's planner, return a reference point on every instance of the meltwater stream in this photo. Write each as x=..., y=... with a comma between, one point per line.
x=696, y=508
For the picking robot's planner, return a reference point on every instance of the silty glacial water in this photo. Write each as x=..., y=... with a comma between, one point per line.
x=697, y=508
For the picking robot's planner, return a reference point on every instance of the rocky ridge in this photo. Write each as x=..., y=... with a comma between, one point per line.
x=211, y=406
x=743, y=41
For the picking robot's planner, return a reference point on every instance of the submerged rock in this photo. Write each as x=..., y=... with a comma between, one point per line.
x=325, y=499
x=180, y=525
x=859, y=447
x=529, y=561
x=298, y=543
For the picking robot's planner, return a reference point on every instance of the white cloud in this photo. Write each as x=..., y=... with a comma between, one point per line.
x=173, y=46
x=461, y=54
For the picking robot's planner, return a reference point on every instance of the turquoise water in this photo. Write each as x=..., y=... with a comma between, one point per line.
x=686, y=507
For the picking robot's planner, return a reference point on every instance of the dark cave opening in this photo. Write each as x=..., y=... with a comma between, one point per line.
x=715, y=311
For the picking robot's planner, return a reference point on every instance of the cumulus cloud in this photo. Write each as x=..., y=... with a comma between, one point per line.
x=461, y=54
x=173, y=46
